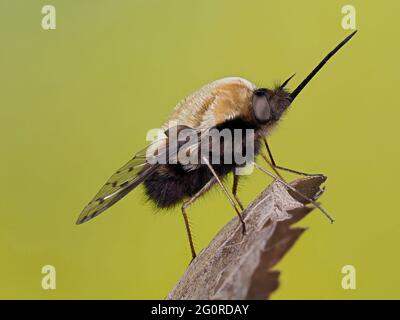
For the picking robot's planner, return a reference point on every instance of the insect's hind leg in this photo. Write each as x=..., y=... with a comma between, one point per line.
x=275, y=166
x=189, y=202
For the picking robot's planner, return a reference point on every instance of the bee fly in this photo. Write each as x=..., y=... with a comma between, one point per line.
x=226, y=104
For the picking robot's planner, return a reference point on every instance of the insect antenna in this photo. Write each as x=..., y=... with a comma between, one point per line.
x=284, y=84
x=301, y=86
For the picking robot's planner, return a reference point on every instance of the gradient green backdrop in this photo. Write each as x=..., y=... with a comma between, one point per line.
x=76, y=103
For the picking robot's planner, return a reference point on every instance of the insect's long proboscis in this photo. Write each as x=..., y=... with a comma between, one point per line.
x=301, y=86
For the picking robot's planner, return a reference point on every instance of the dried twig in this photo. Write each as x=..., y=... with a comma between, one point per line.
x=237, y=266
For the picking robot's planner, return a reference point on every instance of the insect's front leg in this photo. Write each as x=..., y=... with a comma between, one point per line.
x=274, y=166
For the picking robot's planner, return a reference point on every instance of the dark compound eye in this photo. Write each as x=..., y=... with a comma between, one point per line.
x=261, y=107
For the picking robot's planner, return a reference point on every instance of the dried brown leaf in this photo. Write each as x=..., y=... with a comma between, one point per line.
x=236, y=266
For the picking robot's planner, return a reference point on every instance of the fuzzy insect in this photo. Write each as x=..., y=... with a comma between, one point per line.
x=226, y=104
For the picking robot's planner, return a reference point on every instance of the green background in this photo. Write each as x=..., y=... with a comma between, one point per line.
x=76, y=103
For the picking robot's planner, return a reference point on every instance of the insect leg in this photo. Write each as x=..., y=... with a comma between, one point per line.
x=271, y=165
x=316, y=204
x=232, y=202
x=186, y=204
x=275, y=166
x=234, y=190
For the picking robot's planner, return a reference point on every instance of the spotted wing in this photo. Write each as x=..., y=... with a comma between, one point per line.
x=135, y=171
x=129, y=176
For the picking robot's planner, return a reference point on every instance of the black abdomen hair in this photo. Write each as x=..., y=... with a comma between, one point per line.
x=170, y=183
